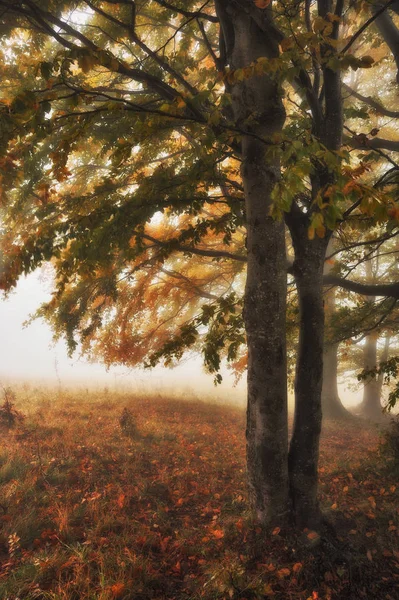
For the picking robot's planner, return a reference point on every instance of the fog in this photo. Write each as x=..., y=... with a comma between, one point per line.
x=27, y=352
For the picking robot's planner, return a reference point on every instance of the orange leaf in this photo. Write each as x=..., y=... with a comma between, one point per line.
x=240, y=524
x=313, y=535
x=276, y=530
x=283, y=572
x=121, y=501
x=218, y=533
x=117, y=590
x=262, y=3
x=297, y=567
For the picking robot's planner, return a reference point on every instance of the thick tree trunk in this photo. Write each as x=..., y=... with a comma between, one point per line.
x=304, y=446
x=258, y=109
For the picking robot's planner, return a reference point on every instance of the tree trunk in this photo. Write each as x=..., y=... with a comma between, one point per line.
x=332, y=406
x=304, y=446
x=370, y=407
x=258, y=109
x=331, y=403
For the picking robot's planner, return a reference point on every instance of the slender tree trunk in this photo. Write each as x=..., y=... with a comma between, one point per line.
x=332, y=406
x=310, y=255
x=383, y=358
x=304, y=446
x=331, y=402
x=370, y=407
x=258, y=108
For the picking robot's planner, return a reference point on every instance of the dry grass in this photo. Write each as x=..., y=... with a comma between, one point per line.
x=150, y=503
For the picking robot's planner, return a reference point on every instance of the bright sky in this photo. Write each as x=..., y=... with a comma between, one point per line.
x=29, y=353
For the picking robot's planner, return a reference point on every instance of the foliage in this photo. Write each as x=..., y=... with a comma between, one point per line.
x=121, y=163
x=87, y=513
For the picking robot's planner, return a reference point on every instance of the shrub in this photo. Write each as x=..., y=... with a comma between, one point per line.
x=9, y=415
x=391, y=440
x=127, y=422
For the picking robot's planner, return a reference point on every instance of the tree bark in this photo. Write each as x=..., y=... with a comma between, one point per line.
x=308, y=271
x=258, y=109
x=304, y=445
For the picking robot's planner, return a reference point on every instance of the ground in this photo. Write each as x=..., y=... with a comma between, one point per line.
x=98, y=502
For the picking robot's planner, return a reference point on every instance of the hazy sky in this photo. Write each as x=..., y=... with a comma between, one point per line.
x=29, y=353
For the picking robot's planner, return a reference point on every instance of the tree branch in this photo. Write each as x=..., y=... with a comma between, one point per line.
x=385, y=289
x=379, y=108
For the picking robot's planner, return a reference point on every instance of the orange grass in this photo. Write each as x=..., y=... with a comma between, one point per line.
x=89, y=511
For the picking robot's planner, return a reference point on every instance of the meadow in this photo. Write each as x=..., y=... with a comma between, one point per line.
x=112, y=496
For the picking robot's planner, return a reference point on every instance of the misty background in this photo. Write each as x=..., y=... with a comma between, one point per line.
x=29, y=353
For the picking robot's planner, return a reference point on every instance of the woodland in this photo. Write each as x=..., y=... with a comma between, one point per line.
x=215, y=177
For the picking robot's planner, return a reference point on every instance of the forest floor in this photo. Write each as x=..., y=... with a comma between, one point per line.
x=156, y=508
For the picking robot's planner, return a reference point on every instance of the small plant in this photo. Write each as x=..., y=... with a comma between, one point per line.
x=127, y=423
x=9, y=415
x=391, y=440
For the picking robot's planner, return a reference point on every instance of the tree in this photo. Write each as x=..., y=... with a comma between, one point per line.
x=143, y=134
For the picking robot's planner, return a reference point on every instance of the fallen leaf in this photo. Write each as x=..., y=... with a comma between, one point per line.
x=117, y=590
x=218, y=533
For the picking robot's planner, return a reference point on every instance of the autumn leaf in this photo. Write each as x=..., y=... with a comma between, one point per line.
x=218, y=533
x=117, y=590
x=262, y=3
x=283, y=573
x=276, y=530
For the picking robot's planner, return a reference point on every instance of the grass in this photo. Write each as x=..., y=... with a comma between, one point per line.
x=98, y=502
